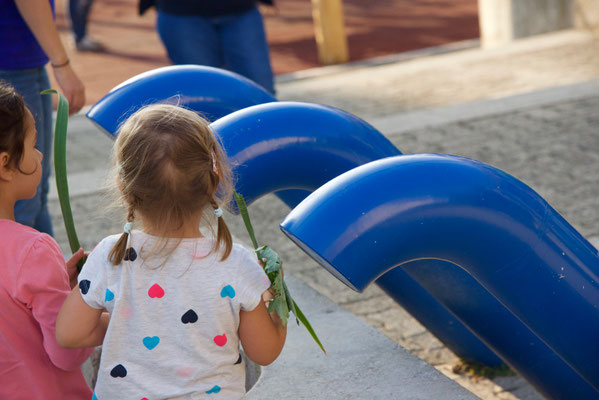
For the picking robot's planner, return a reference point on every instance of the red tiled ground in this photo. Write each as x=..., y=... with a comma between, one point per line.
x=374, y=28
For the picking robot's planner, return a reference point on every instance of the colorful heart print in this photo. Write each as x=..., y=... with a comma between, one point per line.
x=215, y=389
x=151, y=342
x=130, y=254
x=119, y=371
x=220, y=340
x=156, y=291
x=109, y=295
x=84, y=286
x=94, y=397
x=238, y=360
x=227, y=291
x=189, y=317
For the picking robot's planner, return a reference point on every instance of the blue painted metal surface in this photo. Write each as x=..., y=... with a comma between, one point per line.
x=303, y=146
x=293, y=145
x=211, y=91
x=395, y=211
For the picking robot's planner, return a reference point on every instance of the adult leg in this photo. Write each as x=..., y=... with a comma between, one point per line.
x=79, y=13
x=246, y=49
x=190, y=39
x=29, y=83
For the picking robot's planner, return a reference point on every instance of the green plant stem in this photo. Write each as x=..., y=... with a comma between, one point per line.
x=60, y=171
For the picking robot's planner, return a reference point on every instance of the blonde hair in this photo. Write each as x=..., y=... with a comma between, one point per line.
x=171, y=167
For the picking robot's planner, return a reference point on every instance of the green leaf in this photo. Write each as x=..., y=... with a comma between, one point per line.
x=282, y=302
x=60, y=171
x=300, y=315
x=243, y=210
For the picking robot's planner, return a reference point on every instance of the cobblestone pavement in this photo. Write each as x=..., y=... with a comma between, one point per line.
x=550, y=145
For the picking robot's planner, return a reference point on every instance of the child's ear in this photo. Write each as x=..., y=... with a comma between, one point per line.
x=6, y=172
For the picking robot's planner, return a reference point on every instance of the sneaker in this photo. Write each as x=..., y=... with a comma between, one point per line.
x=87, y=44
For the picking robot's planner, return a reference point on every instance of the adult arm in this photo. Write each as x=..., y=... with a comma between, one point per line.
x=38, y=16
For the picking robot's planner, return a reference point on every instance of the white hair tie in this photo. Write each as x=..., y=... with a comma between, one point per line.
x=127, y=227
x=218, y=212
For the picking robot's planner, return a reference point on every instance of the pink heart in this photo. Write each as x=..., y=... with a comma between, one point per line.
x=156, y=291
x=145, y=398
x=126, y=312
x=221, y=340
x=185, y=372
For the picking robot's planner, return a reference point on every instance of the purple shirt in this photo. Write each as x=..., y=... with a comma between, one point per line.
x=18, y=47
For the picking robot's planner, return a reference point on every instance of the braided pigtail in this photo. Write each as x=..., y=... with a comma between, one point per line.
x=223, y=235
x=117, y=254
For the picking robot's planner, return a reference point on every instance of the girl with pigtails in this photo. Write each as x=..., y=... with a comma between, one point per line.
x=181, y=302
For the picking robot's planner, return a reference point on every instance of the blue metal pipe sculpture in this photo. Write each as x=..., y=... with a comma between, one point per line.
x=395, y=211
x=309, y=144
x=211, y=91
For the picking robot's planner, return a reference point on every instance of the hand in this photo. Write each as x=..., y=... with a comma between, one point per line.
x=72, y=267
x=71, y=86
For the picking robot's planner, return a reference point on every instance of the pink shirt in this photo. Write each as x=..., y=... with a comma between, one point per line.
x=33, y=285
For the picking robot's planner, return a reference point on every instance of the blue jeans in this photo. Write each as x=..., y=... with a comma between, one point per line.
x=29, y=83
x=234, y=42
x=79, y=13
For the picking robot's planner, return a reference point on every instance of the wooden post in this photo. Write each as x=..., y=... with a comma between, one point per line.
x=329, y=30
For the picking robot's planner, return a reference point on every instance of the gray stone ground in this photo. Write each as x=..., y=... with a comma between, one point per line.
x=551, y=143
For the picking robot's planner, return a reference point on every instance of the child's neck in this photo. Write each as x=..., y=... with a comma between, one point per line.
x=190, y=229
x=7, y=208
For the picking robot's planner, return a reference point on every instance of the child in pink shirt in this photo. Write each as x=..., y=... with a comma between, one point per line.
x=34, y=281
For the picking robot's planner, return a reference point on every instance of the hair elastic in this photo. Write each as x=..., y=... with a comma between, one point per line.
x=127, y=227
x=218, y=212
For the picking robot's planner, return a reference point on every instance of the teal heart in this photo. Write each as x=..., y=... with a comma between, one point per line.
x=94, y=396
x=151, y=341
x=227, y=291
x=109, y=295
x=215, y=389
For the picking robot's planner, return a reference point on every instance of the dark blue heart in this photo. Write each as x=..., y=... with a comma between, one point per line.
x=238, y=360
x=189, y=317
x=118, y=372
x=84, y=286
x=130, y=254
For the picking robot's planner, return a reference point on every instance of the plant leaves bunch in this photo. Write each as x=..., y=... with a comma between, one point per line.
x=282, y=301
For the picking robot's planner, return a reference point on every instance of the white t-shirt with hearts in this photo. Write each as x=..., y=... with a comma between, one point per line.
x=173, y=318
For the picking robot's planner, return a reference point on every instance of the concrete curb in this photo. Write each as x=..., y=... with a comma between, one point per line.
x=360, y=363
x=485, y=108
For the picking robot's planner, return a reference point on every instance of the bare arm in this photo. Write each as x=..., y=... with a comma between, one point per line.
x=79, y=325
x=38, y=16
x=262, y=335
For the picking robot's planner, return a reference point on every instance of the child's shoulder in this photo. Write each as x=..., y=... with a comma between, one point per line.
x=240, y=252
x=107, y=243
x=14, y=235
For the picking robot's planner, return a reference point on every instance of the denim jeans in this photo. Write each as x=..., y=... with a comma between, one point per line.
x=29, y=83
x=235, y=42
x=79, y=13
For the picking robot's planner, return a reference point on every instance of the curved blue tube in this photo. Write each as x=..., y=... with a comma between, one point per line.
x=211, y=91
x=498, y=328
x=293, y=145
x=475, y=216
x=290, y=145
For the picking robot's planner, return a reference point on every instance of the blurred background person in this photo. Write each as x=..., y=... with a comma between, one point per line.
x=226, y=34
x=28, y=41
x=79, y=14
